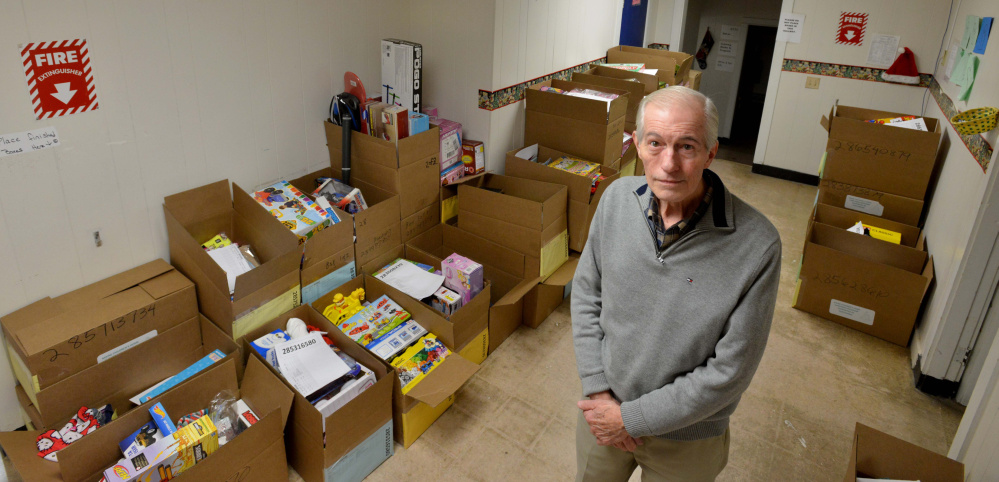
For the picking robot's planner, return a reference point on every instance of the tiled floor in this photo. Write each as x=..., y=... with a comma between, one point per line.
x=515, y=419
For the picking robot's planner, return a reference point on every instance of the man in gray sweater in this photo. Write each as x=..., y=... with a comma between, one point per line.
x=671, y=304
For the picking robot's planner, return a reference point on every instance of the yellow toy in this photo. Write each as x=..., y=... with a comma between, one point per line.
x=344, y=307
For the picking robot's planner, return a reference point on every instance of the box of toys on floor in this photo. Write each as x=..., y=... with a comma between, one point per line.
x=52, y=342
x=585, y=181
x=375, y=214
x=581, y=119
x=404, y=335
x=878, y=456
x=244, y=265
x=208, y=428
x=343, y=394
x=863, y=272
x=637, y=84
x=671, y=68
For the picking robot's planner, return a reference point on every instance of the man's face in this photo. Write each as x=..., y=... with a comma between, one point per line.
x=673, y=151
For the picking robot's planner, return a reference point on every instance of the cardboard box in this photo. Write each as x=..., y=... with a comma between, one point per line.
x=196, y=215
x=376, y=228
x=693, y=79
x=878, y=455
x=867, y=284
x=54, y=338
x=127, y=374
x=844, y=218
x=348, y=427
x=525, y=215
x=420, y=221
x=582, y=204
x=672, y=66
x=881, y=168
x=439, y=386
x=402, y=73
x=621, y=80
x=363, y=459
x=542, y=300
x=477, y=349
x=849, y=124
x=586, y=128
x=256, y=454
x=504, y=269
x=870, y=201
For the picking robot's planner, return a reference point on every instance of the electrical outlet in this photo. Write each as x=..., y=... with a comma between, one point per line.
x=97, y=238
x=812, y=83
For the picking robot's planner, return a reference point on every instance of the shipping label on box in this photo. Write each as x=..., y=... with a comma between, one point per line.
x=402, y=72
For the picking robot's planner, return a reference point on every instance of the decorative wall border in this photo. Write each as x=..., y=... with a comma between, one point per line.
x=658, y=46
x=976, y=144
x=515, y=93
x=843, y=71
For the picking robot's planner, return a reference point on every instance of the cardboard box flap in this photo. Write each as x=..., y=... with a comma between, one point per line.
x=200, y=203
x=880, y=455
x=564, y=274
x=230, y=460
x=256, y=226
x=180, y=237
x=115, y=284
x=650, y=82
x=166, y=284
x=518, y=292
x=862, y=114
x=636, y=90
x=414, y=148
x=845, y=218
x=248, y=283
x=266, y=391
x=870, y=249
x=23, y=453
x=583, y=109
x=444, y=380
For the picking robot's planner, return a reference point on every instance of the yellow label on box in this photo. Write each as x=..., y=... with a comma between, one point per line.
x=884, y=234
x=477, y=348
x=822, y=163
x=554, y=254
x=797, y=286
x=449, y=208
x=419, y=418
x=28, y=381
x=270, y=310
x=629, y=168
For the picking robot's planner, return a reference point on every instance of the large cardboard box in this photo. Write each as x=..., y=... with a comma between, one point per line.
x=672, y=66
x=693, y=79
x=503, y=267
x=637, y=85
x=55, y=338
x=881, y=168
x=542, y=300
x=314, y=443
x=581, y=203
x=256, y=454
x=525, y=215
x=588, y=128
x=849, y=124
x=878, y=455
x=867, y=284
x=870, y=201
x=197, y=215
x=127, y=374
x=845, y=218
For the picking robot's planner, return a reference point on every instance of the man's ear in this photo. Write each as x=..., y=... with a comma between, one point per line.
x=711, y=155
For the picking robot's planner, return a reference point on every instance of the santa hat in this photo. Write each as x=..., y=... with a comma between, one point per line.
x=903, y=70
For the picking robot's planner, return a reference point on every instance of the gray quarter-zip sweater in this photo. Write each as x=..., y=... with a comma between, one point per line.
x=676, y=338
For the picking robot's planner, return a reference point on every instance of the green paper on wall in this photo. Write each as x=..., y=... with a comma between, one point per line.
x=971, y=70
x=971, y=25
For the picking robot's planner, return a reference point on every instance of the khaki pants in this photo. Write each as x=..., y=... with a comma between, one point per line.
x=660, y=459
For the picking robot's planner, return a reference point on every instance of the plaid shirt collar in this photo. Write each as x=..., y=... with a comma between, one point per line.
x=664, y=236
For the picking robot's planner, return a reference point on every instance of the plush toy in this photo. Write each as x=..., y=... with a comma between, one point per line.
x=84, y=422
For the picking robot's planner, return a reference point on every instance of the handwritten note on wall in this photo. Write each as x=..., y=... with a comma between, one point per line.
x=28, y=141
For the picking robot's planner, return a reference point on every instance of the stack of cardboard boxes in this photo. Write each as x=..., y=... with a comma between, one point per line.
x=876, y=175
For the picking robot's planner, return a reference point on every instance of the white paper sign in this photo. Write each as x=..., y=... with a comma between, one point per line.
x=725, y=64
x=884, y=50
x=952, y=54
x=790, y=26
x=118, y=350
x=726, y=47
x=730, y=32
x=308, y=363
x=28, y=141
x=868, y=206
x=408, y=278
x=851, y=312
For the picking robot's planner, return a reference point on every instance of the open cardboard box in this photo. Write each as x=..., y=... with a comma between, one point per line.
x=118, y=378
x=547, y=295
x=589, y=128
x=878, y=455
x=849, y=124
x=673, y=66
x=195, y=216
x=581, y=203
x=879, y=168
x=315, y=443
x=844, y=219
x=525, y=215
x=870, y=201
x=415, y=411
x=693, y=79
x=637, y=84
x=870, y=285
x=409, y=168
x=54, y=338
x=256, y=454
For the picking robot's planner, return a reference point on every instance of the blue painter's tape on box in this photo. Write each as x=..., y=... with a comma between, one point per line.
x=313, y=291
x=363, y=459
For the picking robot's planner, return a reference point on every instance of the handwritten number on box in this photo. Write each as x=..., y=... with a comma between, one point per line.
x=77, y=341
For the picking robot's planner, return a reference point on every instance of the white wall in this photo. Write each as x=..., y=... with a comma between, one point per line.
x=190, y=92
x=659, y=23
x=537, y=37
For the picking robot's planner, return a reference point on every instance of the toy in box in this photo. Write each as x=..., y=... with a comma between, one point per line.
x=294, y=209
x=419, y=360
x=473, y=156
x=463, y=276
x=161, y=427
x=392, y=343
x=450, y=142
x=374, y=320
x=446, y=301
x=170, y=456
x=452, y=174
x=344, y=307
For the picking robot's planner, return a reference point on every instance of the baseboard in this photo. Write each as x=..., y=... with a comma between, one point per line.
x=931, y=385
x=786, y=174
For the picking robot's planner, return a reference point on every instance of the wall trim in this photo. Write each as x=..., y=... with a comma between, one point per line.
x=786, y=174
x=515, y=93
x=979, y=148
x=933, y=386
x=844, y=71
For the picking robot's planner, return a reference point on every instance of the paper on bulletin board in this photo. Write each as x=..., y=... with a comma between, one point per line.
x=28, y=141
x=727, y=47
x=730, y=32
x=884, y=50
x=725, y=64
x=790, y=26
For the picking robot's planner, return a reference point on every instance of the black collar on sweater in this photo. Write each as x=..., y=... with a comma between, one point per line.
x=720, y=202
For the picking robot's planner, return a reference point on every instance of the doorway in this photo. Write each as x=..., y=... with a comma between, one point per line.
x=752, y=92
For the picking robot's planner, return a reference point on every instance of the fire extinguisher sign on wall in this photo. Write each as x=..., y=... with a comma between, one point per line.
x=852, y=26
x=60, y=80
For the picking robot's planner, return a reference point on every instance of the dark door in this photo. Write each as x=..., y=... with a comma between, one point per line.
x=753, y=84
x=633, y=22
